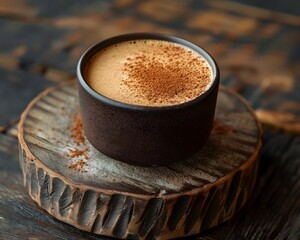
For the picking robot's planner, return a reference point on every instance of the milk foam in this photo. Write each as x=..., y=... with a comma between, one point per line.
x=149, y=73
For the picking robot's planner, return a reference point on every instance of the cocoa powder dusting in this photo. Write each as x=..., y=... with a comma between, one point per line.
x=76, y=129
x=78, y=166
x=77, y=153
x=220, y=128
x=167, y=79
x=78, y=138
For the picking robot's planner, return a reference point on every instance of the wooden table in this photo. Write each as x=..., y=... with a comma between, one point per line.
x=257, y=48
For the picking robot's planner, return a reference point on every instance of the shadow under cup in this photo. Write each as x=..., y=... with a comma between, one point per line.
x=144, y=135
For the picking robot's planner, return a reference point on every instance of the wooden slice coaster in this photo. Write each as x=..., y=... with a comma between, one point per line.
x=78, y=185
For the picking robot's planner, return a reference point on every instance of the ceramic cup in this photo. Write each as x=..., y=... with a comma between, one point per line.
x=146, y=135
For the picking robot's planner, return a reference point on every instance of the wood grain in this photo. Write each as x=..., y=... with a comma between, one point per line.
x=111, y=198
x=20, y=217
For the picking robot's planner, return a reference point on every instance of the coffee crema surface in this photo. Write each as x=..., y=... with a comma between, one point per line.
x=149, y=73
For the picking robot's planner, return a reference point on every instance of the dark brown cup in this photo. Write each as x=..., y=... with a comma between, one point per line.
x=143, y=135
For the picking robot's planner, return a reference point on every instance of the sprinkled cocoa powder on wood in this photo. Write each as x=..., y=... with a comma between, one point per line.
x=77, y=153
x=78, y=138
x=220, y=128
x=78, y=166
x=76, y=129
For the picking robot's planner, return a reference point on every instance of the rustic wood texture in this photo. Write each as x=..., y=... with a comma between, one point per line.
x=20, y=217
x=256, y=46
x=107, y=197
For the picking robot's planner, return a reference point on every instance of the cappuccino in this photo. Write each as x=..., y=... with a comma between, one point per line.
x=149, y=73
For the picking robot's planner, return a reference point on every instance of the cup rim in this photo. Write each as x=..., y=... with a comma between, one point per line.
x=136, y=36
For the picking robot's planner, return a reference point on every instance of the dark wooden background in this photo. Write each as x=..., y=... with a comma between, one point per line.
x=256, y=43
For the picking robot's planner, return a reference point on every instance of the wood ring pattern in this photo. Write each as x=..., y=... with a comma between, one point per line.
x=111, y=198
